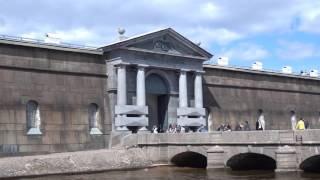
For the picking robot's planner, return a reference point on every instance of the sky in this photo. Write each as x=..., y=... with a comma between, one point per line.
x=275, y=32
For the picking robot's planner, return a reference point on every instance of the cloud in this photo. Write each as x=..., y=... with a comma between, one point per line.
x=310, y=17
x=246, y=52
x=237, y=19
x=297, y=50
x=208, y=36
x=221, y=26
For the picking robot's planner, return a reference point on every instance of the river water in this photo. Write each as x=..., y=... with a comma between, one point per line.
x=178, y=173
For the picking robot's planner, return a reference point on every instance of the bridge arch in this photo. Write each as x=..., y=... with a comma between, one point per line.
x=251, y=161
x=190, y=159
x=311, y=164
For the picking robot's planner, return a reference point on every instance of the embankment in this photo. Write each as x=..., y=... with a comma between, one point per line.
x=73, y=162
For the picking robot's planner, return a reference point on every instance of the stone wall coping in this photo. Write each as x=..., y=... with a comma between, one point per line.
x=51, y=46
x=262, y=72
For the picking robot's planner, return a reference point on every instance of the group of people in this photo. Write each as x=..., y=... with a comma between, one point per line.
x=173, y=128
x=260, y=126
x=224, y=127
x=239, y=127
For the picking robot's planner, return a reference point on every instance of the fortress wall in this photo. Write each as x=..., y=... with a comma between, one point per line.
x=63, y=84
x=237, y=95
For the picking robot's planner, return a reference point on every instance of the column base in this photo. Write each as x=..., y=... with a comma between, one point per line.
x=34, y=131
x=143, y=130
x=95, y=131
x=122, y=128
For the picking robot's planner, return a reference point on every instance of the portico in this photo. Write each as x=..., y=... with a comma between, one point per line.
x=173, y=66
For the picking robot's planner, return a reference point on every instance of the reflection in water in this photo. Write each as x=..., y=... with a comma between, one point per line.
x=178, y=173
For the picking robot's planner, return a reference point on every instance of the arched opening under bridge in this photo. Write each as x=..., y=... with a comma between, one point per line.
x=311, y=164
x=190, y=159
x=251, y=161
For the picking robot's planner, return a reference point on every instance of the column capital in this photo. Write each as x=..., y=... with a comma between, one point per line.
x=184, y=70
x=121, y=65
x=142, y=66
x=199, y=72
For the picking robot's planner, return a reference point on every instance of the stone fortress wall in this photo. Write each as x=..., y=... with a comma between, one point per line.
x=232, y=95
x=63, y=84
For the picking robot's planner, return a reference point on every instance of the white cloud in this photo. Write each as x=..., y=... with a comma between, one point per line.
x=227, y=17
x=310, y=17
x=208, y=36
x=210, y=10
x=246, y=52
x=211, y=22
x=297, y=50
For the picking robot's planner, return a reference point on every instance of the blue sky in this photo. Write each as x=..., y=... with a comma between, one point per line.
x=275, y=32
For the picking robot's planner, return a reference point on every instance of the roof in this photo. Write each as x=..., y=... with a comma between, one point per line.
x=150, y=35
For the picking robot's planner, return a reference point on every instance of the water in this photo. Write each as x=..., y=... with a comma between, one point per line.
x=178, y=173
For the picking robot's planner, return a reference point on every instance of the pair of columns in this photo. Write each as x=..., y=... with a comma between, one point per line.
x=183, y=95
x=122, y=86
x=141, y=91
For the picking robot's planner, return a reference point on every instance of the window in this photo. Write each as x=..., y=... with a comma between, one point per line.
x=33, y=118
x=94, y=119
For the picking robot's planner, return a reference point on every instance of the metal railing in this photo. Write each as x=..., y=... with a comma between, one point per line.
x=42, y=42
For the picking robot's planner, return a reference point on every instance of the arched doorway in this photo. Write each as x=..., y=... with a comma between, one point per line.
x=157, y=101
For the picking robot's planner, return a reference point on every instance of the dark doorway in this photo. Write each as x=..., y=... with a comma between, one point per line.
x=157, y=102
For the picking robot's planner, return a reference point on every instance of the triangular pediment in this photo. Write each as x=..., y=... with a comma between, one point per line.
x=166, y=41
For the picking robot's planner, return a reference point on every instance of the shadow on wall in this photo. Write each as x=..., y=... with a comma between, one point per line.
x=251, y=161
x=312, y=164
x=208, y=99
x=190, y=159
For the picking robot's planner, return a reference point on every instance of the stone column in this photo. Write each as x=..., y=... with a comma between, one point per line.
x=198, y=97
x=141, y=88
x=183, y=95
x=121, y=90
x=122, y=85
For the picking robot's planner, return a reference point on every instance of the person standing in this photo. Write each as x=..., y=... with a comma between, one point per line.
x=293, y=120
x=261, y=124
x=300, y=125
x=306, y=124
x=246, y=126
